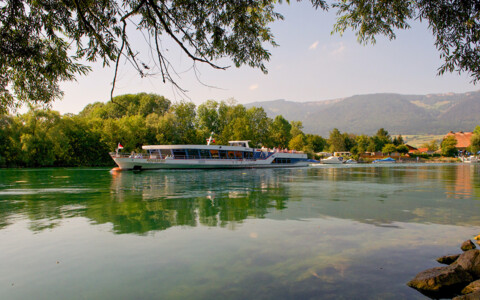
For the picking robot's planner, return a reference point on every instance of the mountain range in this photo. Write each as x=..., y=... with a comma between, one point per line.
x=398, y=114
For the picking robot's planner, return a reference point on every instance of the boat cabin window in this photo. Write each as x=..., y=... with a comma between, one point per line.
x=214, y=154
x=248, y=155
x=165, y=152
x=193, y=153
x=223, y=154
x=281, y=161
x=205, y=153
x=179, y=153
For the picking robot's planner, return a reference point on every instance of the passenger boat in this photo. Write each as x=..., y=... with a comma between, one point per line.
x=238, y=154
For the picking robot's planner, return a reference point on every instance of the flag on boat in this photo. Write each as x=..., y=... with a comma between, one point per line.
x=120, y=146
x=210, y=139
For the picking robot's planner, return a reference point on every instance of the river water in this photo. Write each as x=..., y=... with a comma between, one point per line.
x=329, y=232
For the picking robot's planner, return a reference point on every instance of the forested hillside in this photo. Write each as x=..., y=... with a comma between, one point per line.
x=399, y=114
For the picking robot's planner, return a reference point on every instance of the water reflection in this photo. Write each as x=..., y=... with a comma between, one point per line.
x=188, y=198
x=157, y=200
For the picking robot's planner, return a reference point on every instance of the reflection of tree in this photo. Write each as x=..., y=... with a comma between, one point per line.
x=158, y=200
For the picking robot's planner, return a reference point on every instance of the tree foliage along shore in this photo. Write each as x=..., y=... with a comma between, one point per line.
x=43, y=137
x=42, y=42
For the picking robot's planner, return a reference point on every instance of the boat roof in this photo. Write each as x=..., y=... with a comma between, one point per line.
x=199, y=147
x=234, y=146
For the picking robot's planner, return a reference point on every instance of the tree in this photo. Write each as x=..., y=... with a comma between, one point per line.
x=362, y=142
x=42, y=42
x=36, y=139
x=431, y=146
x=296, y=128
x=315, y=143
x=449, y=146
x=336, y=141
x=381, y=139
x=475, y=140
x=389, y=148
x=397, y=141
x=207, y=118
x=280, y=132
x=475, y=143
x=297, y=142
x=403, y=149
x=36, y=37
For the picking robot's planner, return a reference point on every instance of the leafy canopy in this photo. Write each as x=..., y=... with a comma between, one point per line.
x=42, y=41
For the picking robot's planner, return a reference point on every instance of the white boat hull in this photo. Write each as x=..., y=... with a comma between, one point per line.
x=333, y=160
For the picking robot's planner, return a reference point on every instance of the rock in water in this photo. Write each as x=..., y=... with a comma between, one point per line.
x=472, y=287
x=472, y=296
x=470, y=261
x=448, y=259
x=441, y=280
x=468, y=245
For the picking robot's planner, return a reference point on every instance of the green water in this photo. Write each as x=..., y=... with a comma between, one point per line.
x=358, y=232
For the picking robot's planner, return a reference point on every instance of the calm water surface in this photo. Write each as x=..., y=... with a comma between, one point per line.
x=357, y=232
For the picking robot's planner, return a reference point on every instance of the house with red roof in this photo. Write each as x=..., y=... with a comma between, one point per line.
x=463, y=139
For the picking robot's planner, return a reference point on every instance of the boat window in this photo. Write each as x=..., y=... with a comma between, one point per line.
x=223, y=154
x=214, y=154
x=205, y=153
x=193, y=153
x=248, y=155
x=165, y=152
x=238, y=155
x=282, y=161
x=179, y=153
x=231, y=154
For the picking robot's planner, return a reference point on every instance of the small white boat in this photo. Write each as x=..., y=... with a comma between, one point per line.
x=333, y=160
x=470, y=160
x=351, y=161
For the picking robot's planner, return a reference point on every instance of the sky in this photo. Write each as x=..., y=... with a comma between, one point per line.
x=310, y=64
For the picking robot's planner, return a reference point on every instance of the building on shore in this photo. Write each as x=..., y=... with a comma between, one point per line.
x=463, y=139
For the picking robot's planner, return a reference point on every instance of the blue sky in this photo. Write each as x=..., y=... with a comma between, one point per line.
x=310, y=64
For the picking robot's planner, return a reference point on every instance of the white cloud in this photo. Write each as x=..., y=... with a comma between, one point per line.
x=339, y=49
x=253, y=87
x=313, y=46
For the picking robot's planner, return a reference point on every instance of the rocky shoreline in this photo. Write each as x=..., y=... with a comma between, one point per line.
x=458, y=280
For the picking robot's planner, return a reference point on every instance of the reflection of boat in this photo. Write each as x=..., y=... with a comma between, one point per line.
x=387, y=160
x=332, y=160
x=471, y=159
x=237, y=155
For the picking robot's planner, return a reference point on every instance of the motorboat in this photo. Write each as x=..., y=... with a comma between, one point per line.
x=471, y=159
x=332, y=160
x=387, y=160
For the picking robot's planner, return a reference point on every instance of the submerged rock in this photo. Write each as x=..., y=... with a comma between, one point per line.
x=441, y=280
x=448, y=259
x=468, y=245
